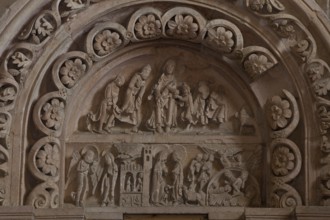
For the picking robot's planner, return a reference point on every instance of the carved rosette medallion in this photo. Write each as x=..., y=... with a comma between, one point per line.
x=286, y=160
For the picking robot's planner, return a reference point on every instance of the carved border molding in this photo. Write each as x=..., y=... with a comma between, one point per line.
x=296, y=36
x=283, y=118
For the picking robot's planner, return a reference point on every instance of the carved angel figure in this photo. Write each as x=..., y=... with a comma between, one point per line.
x=105, y=117
x=84, y=169
x=109, y=178
x=131, y=109
x=164, y=94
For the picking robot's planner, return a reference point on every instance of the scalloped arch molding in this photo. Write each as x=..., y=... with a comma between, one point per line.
x=216, y=108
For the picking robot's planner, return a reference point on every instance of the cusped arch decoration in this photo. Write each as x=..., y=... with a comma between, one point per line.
x=103, y=96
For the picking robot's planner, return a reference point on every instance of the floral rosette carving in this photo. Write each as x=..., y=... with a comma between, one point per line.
x=256, y=64
x=283, y=161
x=48, y=159
x=221, y=38
x=70, y=68
x=52, y=114
x=286, y=164
x=148, y=26
x=278, y=112
x=183, y=27
x=44, y=159
x=71, y=71
x=106, y=38
x=106, y=42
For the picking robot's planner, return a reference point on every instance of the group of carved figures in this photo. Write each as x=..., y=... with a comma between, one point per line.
x=89, y=170
x=203, y=184
x=168, y=96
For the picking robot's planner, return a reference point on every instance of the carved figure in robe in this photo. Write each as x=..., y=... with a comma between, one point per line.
x=200, y=101
x=177, y=173
x=206, y=171
x=164, y=93
x=194, y=171
x=139, y=182
x=187, y=102
x=131, y=109
x=109, y=178
x=86, y=170
x=129, y=184
x=108, y=110
x=158, y=178
x=216, y=108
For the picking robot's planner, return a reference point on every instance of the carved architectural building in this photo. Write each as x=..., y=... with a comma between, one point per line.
x=209, y=109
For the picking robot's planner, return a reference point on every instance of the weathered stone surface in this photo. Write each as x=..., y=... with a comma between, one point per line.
x=210, y=108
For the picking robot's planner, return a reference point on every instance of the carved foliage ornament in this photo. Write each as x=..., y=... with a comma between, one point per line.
x=302, y=44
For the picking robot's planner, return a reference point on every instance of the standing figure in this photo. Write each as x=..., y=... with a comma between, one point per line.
x=158, y=178
x=164, y=94
x=206, y=171
x=129, y=184
x=216, y=109
x=108, y=110
x=187, y=101
x=139, y=182
x=86, y=167
x=203, y=93
x=109, y=179
x=194, y=171
x=131, y=109
x=177, y=173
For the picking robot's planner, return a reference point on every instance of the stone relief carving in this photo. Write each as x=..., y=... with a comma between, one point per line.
x=41, y=28
x=283, y=118
x=300, y=50
x=101, y=41
x=83, y=166
x=161, y=175
x=175, y=107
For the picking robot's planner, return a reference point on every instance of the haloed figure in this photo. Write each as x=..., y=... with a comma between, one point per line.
x=164, y=93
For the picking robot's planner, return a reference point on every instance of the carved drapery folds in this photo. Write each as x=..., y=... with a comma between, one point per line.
x=108, y=174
